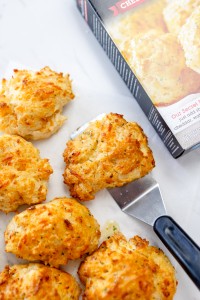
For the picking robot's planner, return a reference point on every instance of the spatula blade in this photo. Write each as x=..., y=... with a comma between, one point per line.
x=140, y=199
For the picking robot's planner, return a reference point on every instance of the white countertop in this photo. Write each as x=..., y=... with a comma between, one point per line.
x=38, y=33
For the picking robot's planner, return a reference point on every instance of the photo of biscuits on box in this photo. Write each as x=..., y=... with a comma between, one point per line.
x=160, y=42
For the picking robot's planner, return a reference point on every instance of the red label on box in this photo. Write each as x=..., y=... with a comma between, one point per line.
x=122, y=6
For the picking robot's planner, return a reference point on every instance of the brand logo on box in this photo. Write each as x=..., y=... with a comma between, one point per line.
x=122, y=6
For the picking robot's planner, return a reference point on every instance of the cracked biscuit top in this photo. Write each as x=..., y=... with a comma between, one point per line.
x=53, y=232
x=109, y=153
x=132, y=269
x=23, y=174
x=31, y=103
x=36, y=282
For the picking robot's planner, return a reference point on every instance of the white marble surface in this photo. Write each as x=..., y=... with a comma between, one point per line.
x=38, y=33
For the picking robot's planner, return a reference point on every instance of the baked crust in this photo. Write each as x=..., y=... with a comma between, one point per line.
x=36, y=282
x=109, y=153
x=31, y=103
x=122, y=269
x=23, y=174
x=53, y=232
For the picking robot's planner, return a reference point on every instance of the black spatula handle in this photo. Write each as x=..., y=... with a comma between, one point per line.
x=180, y=245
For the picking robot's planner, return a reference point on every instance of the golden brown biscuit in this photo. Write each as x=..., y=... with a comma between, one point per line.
x=189, y=38
x=177, y=12
x=23, y=174
x=31, y=103
x=110, y=152
x=37, y=282
x=139, y=20
x=122, y=269
x=159, y=63
x=53, y=232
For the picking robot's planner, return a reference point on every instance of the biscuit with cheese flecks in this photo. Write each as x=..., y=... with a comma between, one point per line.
x=36, y=282
x=53, y=233
x=24, y=174
x=31, y=103
x=109, y=153
x=127, y=269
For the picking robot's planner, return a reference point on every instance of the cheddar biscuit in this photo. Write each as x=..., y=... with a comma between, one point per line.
x=109, y=153
x=31, y=103
x=122, y=269
x=23, y=174
x=53, y=232
x=36, y=282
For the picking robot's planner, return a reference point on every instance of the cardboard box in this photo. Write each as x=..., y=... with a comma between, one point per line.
x=155, y=47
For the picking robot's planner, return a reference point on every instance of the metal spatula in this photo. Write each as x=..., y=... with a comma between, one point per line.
x=142, y=199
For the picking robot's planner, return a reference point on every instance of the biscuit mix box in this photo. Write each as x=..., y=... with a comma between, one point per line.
x=155, y=47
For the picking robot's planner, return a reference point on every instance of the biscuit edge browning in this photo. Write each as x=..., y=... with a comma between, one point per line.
x=109, y=153
x=31, y=103
x=24, y=174
x=38, y=281
x=127, y=269
x=53, y=233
